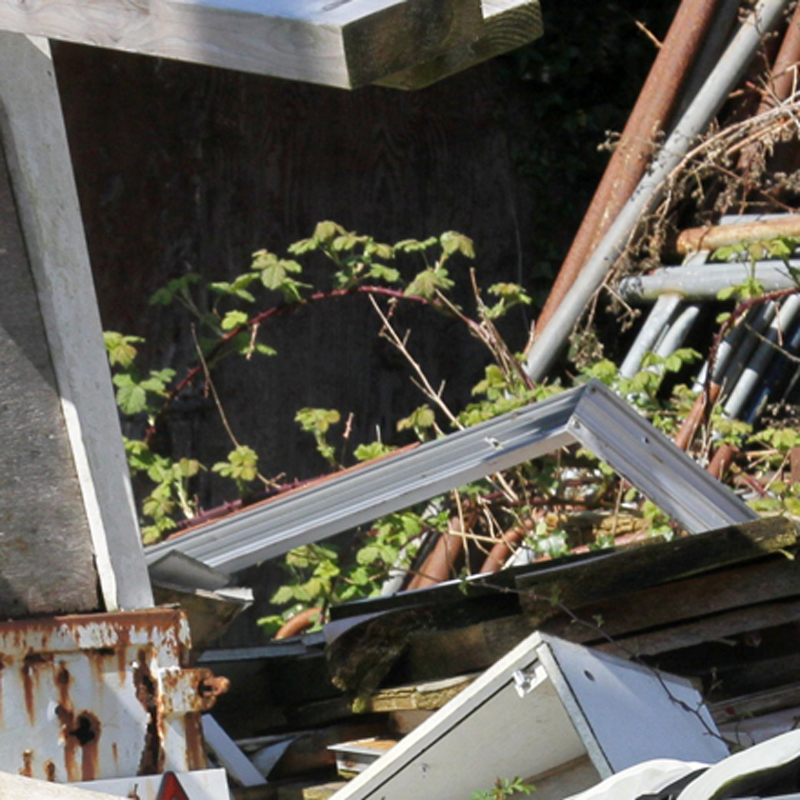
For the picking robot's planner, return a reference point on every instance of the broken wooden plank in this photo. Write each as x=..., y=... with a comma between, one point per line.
x=610, y=575
x=343, y=43
x=418, y=696
x=715, y=627
x=681, y=601
x=507, y=25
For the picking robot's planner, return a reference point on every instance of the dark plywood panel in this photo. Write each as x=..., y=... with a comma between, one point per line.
x=45, y=545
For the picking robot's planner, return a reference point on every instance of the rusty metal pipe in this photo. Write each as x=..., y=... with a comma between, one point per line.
x=701, y=111
x=783, y=81
x=650, y=115
x=440, y=565
x=713, y=237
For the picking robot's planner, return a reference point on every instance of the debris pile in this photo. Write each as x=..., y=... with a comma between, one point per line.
x=694, y=236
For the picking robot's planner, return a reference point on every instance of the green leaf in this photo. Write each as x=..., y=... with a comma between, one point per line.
x=242, y=465
x=317, y=419
x=238, y=288
x=428, y=281
x=382, y=273
x=284, y=595
x=234, y=319
x=131, y=398
x=422, y=417
x=120, y=348
x=326, y=231
x=453, y=242
x=303, y=246
x=415, y=246
x=175, y=288
x=376, y=249
x=366, y=452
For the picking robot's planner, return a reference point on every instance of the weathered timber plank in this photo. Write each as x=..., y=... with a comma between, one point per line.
x=756, y=704
x=507, y=25
x=45, y=544
x=683, y=600
x=436, y=654
x=417, y=696
x=761, y=675
x=346, y=44
x=639, y=567
x=715, y=627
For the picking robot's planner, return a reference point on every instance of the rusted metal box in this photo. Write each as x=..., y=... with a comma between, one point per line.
x=101, y=696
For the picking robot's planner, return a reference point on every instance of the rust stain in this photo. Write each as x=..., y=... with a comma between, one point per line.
x=27, y=764
x=87, y=732
x=211, y=687
x=31, y=665
x=195, y=744
x=122, y=664
x=152, y=759
x=67, y=719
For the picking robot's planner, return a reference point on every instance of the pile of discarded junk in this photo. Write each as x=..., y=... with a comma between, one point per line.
x=663, y=667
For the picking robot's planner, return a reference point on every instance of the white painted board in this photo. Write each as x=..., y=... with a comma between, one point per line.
x=522, y=718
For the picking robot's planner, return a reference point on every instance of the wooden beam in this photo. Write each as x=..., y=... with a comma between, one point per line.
x=507, y=25
x=343, y=43
x=93, y=527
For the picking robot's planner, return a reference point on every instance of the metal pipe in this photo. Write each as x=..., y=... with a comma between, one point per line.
x=774, y=378
x=706, y=282
x=733, y=346
x=709, y=99
x=764, y=354
x=678, y=331
x=762, y=320
x=783, y=79
x=715, y=236
x=649, y=117
x=659, y=317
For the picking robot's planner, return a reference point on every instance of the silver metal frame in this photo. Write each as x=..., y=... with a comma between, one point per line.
x=591, y=415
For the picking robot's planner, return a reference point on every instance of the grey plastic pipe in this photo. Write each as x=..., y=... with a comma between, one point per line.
x=700, y=112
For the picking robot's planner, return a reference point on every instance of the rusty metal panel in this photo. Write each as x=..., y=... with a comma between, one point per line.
x=92, y=697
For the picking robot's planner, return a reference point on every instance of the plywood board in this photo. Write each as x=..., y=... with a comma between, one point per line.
x=344, y=43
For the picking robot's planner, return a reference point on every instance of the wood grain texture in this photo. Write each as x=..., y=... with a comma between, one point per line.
x=673, y=603
x=507, y=25
x=641, y=567
x=45, y=543
x=346, y=44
